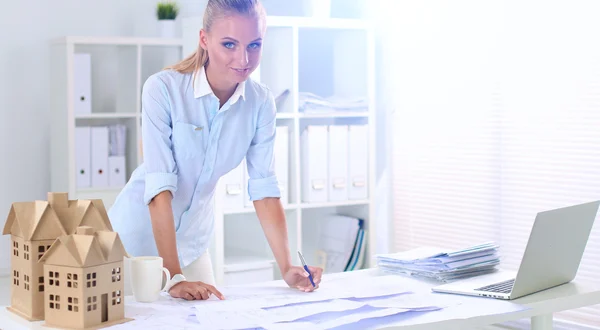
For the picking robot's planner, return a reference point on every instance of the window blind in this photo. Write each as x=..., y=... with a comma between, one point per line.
x=497, y=116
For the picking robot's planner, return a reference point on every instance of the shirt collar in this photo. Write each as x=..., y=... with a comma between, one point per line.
x=202, y=88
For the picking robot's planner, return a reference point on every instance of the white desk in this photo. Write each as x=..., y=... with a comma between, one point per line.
x=540, y=305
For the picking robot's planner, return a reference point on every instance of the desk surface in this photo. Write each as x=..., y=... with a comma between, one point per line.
x=463, y=316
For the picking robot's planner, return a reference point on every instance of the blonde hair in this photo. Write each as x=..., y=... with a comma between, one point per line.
x=217, y=9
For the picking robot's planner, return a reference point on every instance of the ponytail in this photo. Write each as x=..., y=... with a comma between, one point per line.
x=192, y=63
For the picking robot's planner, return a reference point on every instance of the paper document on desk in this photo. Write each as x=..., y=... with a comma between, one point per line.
x=259, y=317
x=441, y=264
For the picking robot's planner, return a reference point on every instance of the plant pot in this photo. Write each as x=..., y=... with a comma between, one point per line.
x=166, y=28
x=317, y=8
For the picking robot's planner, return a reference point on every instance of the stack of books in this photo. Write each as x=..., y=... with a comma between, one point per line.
x=440, y=264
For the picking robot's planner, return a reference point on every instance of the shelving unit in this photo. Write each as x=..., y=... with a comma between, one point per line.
x=120, y=65
x=300, y=54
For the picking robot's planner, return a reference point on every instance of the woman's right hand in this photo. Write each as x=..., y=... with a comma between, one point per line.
x=194, y=291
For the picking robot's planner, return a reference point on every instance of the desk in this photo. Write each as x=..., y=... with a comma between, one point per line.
x=540, y=305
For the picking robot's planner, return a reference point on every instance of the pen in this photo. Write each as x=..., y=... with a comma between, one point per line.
x=306, y=269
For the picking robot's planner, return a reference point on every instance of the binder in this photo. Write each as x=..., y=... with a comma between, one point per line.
x=314, y=163
x=99, y=150
x=336, y=241
x=358, y=139
x=116, y=171
x=83, y=157
x=233, y=183
x=356, y=259
x=82, y=83
x=338, y=162
x=282, y=155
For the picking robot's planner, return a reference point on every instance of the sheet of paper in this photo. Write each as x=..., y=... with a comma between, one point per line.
x=417, y=301
x=343, y=318
x=209, y=318
x=239, y=298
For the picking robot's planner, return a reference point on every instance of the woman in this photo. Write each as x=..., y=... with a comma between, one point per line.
x=200, y=118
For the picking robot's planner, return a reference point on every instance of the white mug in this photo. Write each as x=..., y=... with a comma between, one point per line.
x=147, y=278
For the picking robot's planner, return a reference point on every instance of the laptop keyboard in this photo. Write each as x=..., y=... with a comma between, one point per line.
x=502, y=287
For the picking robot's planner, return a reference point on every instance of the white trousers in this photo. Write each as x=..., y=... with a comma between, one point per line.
x=200, y=270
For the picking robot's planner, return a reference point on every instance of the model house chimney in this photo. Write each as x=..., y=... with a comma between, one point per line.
x=58, y=200
x=85, y=230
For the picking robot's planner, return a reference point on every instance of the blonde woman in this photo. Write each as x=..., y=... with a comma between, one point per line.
x=200, y=118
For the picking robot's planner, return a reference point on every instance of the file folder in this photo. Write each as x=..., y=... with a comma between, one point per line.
x=358, y=155
x=83, y=157
x=99, y=156
x=338, y=162
x=282, y=155
x=314, y=164
x=82, y=83
x=116, y=171
x=233, y=184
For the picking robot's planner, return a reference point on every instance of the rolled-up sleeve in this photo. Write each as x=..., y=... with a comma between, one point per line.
x=260, y=157
x=161, y=170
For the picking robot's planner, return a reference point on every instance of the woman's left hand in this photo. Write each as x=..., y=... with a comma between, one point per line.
x=296, y=277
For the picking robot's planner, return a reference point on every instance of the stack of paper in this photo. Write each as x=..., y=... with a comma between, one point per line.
x=313, y=103
x=440, y=264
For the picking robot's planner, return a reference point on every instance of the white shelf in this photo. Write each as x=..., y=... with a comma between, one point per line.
x=246, y=262
x=247, y=210
x=108, y=115
x=323, y=23
x=334, y=204
x=285, y=115
x=103, y=190
x=117, y=77
x=124, y=41
x=336, y=114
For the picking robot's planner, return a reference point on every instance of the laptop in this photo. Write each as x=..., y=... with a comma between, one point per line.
x=552, y=257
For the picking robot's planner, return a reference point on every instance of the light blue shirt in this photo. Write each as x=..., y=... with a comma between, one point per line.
x=188, y=144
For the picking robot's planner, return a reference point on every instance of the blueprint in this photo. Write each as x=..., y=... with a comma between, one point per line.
x=338, y=304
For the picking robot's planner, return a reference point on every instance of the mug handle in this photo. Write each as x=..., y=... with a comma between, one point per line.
x=168, y=274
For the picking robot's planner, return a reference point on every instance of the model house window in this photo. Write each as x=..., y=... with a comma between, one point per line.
x=116, y=274
x=26, y=253
x=91, y=280
x=54, y=301
x=16, y=277
x=72, y=280
x=53, y=278
x=41, y=283
x=41, y=250
x=26, y=284
x=73, y=304
x=91, y=303
x=16, y=249
x=116, y=297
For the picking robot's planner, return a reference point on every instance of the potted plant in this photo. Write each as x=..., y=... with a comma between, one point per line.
x=166, y=12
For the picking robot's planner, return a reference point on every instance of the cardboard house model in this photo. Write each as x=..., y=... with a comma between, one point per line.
x=34, y=226
x=84, y=280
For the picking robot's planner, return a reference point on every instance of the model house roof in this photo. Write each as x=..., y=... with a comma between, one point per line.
x=58, y=216
x=87, y=247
